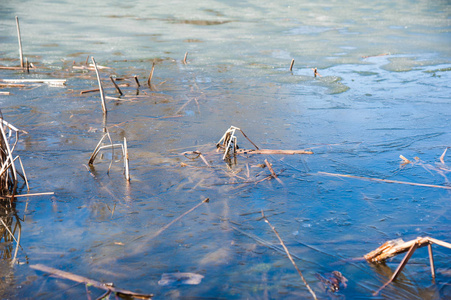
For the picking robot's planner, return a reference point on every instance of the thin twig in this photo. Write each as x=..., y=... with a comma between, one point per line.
x=116, y=86
x=289, y=255
x=184, y=59
x=136, y=80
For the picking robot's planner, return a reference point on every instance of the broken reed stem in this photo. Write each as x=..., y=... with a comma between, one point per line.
x=20, y=42
x=116, y=86
x=9, y=231
x=273, y=174
x=94, y=283
x=151, y=75
x=33, y=194
x=184, y=59
x=400, y=268
x=136, y=80
x=386, y=180
x=431, y=260
x=127, y=173
x=102, y=94
x=291, y=65
x=256, y=147
x=289, y=255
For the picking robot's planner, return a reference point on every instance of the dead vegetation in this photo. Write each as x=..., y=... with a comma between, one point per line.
x=229, y=150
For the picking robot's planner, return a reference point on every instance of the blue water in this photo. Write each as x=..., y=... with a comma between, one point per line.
x=383, y=92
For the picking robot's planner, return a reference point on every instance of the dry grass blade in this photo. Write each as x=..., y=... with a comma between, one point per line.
x=102, y=93
x=184, y=59
x=289, y=255
x=269, y=151
x=94, y=283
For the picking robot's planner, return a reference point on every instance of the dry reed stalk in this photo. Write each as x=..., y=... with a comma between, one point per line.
x=20, y=43
x=5, y=93
x=291, y=65
x=273, y=174
x=150, y=76
x=102, y=93
x=34, y=194
x=398, y=246
x=269, y=151
x=77, y=278
x=112, y=146
x=289, y=255
x=89, y=91
x=53, y=82
x=136, y=80
x=116, y=86
x=315, y=72
x=184, y=59
x=442, y=157
x=126, y=161
x=386, y=180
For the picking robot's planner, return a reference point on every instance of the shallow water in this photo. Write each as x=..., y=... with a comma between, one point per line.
x=383, y=92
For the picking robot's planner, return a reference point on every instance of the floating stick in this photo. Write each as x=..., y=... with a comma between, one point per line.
x=33, y=194
x=55, y=82
x=386, y=180
x=116, y=86
x=151, y=75
x=289, y=256
x=137, y=81
x=269, y=151
x=87, y=281
x=102, y=94
x=20, y=43
x=89, y=91
x=291, y=65
x=184, y=59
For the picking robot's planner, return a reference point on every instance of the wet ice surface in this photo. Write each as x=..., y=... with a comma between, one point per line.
x=357, y=119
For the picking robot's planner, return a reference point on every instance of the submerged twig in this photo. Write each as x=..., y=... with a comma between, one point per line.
x=289, y=255
x=94, y=283
x=102, y=93
x=386, y=180
x=157, y=233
